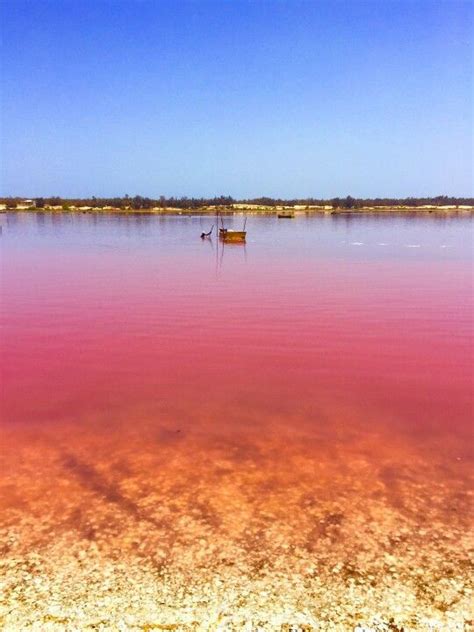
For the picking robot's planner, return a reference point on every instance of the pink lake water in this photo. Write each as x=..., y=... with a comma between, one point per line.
x=299, y=402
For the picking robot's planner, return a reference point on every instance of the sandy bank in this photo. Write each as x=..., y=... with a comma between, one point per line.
x=264, y=210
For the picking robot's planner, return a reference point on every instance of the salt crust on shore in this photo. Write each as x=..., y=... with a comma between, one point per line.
x=145, y=528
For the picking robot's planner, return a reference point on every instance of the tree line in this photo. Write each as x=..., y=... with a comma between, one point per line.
x=139, y=202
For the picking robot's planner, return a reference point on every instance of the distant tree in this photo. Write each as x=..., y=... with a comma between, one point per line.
x=140, y=202
x=349, y=202
x=137, y=202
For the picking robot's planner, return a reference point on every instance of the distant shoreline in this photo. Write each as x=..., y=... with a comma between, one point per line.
x=244, y=211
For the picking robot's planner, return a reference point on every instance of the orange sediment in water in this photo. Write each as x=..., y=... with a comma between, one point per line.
x=149, y=523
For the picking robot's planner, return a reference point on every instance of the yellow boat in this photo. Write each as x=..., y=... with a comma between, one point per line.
x=228, y=235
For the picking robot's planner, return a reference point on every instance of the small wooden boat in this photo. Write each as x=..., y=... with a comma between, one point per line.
x=234, y=236
x=286, y=214
x=228, y=235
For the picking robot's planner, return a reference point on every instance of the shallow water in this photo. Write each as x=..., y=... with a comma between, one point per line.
x=284, y=428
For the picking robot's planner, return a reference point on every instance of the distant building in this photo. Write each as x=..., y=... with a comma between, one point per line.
x=25, y=204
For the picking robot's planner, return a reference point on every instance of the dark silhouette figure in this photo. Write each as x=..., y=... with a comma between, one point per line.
x=204, y=235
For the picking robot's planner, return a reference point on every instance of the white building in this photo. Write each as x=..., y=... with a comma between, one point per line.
x=25, y=204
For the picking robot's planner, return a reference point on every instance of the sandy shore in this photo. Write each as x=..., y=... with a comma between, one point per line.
x=264, y=211
x=151, y=526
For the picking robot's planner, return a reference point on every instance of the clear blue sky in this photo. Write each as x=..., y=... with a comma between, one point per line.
x=243, y=98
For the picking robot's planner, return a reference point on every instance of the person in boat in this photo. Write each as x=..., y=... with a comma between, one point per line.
x=204, y=235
